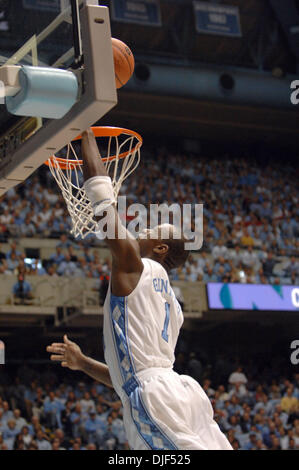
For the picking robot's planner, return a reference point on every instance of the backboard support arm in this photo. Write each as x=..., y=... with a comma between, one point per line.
x=77, y=34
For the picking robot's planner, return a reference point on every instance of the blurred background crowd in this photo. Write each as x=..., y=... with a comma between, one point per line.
x=251, y=227
x=42, y=410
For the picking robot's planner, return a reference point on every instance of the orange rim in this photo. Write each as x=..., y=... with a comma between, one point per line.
x=103, y=131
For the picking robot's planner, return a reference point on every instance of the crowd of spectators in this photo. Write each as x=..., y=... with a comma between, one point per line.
x=240, y=266
x=79, y=260
x=38, y=411
x=43, y=415
x=251, y=218
x=257, y=417
x=68, y=259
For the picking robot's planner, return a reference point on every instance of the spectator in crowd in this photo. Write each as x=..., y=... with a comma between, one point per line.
x=289, y=402
x=236, y=256
x=19, y=420
x=26, y=437
x=6, y=412
x=56, y=445
x=64, y=243
x=9, y=433
x=252, y=444
x=275, y=443
x=194, y=367
x=108, y=439
x=12, y=262
x=57, y=257
x=63, y=440
x=27, y=228
x=246, y=239
x=296, y=434
x=76, y=419
x=42, y=441
x=292, y=267
x=67, y=267
x=2, y=255
x=207, y=388
x=179, y=295
x=292, y=445
x=87, y=404
x=250, y=259
x=22, y=291
x=238, y=377
x=268, y=265
x=220, y=250
x=52, y=410
x=93, y=427
x=91, y=446
x=260, y=445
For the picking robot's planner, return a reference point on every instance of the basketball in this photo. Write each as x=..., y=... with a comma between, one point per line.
x=124, y=62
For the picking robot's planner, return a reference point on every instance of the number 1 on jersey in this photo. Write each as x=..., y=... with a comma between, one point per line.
x=166, y=322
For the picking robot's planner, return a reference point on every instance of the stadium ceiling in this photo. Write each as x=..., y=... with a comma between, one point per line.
x=263, y=45
x=288, y=15
x=212, y=121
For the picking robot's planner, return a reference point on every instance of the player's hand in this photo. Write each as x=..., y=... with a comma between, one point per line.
x=89, y=141
x=68, y=353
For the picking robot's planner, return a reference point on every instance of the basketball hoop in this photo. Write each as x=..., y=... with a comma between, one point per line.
x=120, y=151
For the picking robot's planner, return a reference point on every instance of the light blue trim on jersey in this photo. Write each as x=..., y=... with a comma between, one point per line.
x=148, y=430
x=142, y=404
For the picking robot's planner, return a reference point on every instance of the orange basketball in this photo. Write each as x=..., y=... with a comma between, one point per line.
x=124, y=62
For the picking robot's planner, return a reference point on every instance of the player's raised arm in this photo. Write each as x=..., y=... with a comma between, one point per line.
x=126, y=260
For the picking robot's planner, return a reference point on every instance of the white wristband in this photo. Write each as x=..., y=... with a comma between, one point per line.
x=99, y=191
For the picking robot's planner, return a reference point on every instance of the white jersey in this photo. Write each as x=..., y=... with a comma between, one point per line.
x=162, y=410
x=147, y=321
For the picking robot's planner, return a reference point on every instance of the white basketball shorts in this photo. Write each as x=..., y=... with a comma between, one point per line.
x=168, y=411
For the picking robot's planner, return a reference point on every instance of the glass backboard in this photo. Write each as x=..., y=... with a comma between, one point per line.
x=47, y=33
x=39, y=33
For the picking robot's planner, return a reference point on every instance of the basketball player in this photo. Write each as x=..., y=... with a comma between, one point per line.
x=142, y=318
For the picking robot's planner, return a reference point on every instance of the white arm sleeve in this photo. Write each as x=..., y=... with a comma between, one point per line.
x=99, y=191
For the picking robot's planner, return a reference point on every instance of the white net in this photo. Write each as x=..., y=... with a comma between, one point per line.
x=121, y=156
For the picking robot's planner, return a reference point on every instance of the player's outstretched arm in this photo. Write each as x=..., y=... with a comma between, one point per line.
x=70, y=355
x=126, y=261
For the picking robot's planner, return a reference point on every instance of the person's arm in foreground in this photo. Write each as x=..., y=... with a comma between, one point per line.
x=71, y=356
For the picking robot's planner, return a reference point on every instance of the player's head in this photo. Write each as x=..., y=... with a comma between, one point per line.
x=165, y=245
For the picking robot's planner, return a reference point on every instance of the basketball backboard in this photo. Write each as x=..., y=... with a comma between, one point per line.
x=72, y=35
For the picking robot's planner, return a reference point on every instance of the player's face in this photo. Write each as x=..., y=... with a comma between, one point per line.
x=149, y=238
x=146, y=241
x=145, y=245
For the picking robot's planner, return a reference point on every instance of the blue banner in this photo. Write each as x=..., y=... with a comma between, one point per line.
x=145, y=12
x=252, y=297
x=217, y=19
x=44, y=5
